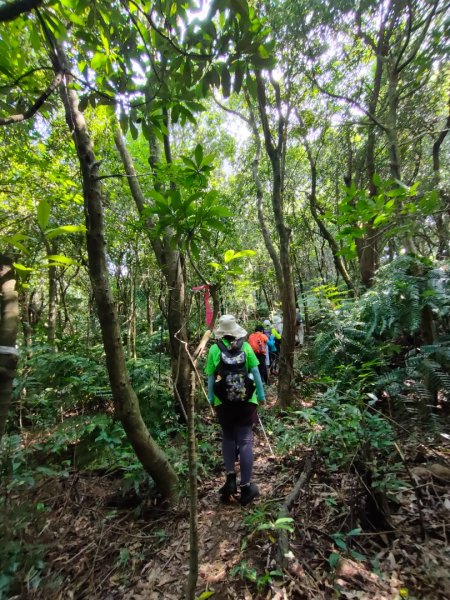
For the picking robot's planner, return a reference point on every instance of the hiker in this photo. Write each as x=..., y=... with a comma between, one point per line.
x=277, y=331
x=258, y=341
x=300, y=333
x=230, y=365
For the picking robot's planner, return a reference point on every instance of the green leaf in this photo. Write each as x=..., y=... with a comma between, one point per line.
x=215, y=265
x=60, y=259
x=226, y=82
x=123, y=120
x=205, y=595
x=229, y=254
x=242, y=253
x=195, y=106
x=64, y=230
x=16, y=241
x=238, y=77
x=220, y=211
x=157, y=196
x=333, y=560
x=263, y=52
x=134, y=130
x=99, y=60
x=198, y=153
x=340, y=543
x=83, y=103
x=22, y=268
x=43, y=213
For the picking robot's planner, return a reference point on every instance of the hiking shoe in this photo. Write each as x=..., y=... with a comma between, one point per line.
x=248, y=493
x=229, y=488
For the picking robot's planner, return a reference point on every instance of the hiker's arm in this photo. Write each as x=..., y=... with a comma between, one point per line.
x=211, y=380
x=259, y=384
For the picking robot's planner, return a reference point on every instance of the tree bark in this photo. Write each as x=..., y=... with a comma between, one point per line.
x=283, y=264
x=9, y=319
x=51, y=321
x=170, y=263
x=442, y=218
x=126, y=402
x=193, y=496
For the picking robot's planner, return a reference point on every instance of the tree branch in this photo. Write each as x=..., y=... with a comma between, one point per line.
x=32, y=110
x=12, y=10
x=351, y=101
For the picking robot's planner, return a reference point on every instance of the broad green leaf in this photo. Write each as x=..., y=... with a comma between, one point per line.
x=205, y=595
x=99, y=60
x=333, y=560
x=198, y=153
x=220, y=211
x=61, y=259
x=196, y=106
x=215, y=265
x=84, y=101
x=229, y=254
x=43, y=213
x=22, y=268
x=64, y=230
x=157, y=196
x=263, y=52
x=14, y=240
x=123, y=120
x=242, y=253
x=340, y=543
x=226, y=81
x=134, y=130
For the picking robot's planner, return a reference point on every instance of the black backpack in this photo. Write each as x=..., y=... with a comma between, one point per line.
x=234, y=384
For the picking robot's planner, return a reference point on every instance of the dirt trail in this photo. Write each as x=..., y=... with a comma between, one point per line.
x=221, y=533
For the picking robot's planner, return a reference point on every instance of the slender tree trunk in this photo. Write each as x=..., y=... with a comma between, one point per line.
x=337, y=259
x=9, y=319
x=282, y=262
x=170, y=263
x=442, y=218
x=193, y=496
x=125, y=400
x=27, y=329
x=51, y=322
x=302, y=295
x=52, y=300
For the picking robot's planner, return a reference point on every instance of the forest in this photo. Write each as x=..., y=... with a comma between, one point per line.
x=167, y=162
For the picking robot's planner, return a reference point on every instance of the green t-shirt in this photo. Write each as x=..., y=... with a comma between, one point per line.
x=214, y=359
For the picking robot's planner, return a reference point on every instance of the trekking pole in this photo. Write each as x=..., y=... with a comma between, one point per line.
x=265, y=435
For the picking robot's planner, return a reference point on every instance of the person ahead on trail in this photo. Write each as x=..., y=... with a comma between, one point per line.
x=232, y=392
x=258, y=341
x=300, y=333
x=277, y=331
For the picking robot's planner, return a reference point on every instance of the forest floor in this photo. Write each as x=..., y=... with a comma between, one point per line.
x=99, y=548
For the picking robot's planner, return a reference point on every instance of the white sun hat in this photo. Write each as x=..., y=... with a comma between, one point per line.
x=267, y=323
x=228, y=326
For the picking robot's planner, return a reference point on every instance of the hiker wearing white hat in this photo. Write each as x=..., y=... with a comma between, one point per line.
x=234, y=389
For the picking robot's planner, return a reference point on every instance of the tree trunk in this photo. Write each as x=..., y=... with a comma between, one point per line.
x=442, y=218
x=126, y=402
x=193, y=496
x=9, y=319
x=338, y=263
x=51, y=321
x=282, y=262
x=170, y=263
